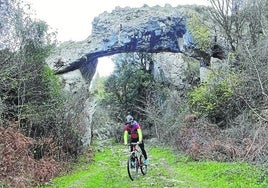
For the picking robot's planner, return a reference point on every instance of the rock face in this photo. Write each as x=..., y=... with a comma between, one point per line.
x=169, y=69
x=146, y=29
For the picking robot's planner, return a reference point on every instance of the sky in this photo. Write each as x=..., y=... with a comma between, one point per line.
x=72, y=18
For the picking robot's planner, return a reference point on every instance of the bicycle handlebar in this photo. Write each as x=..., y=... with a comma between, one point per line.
x=134, y=143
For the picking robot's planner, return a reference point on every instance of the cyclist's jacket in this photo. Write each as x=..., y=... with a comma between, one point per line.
x=134, y=131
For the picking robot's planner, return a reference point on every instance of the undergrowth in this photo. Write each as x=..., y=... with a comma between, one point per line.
x=18, y=166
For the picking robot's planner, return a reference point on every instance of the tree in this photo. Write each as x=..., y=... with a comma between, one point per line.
x=31, y=95
x=127, y=86
x=240, y=21
x=244, y=25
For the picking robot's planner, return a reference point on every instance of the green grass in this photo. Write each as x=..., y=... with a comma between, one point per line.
x=231, y=175
x=166, y=169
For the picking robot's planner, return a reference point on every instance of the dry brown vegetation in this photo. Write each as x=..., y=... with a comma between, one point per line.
x=18, y=166
x=202, y=140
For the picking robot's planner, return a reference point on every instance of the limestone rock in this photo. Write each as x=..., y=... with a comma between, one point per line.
x=145, y=29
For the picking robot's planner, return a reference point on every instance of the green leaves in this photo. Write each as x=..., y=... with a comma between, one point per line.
x=213, y=98
x=200, y=31
x=127, y=86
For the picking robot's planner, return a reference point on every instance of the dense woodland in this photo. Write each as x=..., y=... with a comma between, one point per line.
x=222, y=119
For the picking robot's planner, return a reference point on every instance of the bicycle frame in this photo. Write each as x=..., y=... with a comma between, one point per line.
x=136, y=152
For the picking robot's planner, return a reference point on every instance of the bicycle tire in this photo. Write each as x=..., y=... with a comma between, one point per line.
x=132, y=170
x=143, y=167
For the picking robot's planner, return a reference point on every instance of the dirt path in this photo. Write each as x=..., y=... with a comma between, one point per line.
x=166, y=170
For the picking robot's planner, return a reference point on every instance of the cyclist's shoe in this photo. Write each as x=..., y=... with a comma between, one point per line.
x=146, y=162
x=133, y=164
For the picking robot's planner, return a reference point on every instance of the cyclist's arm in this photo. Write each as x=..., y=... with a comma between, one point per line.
x=140, y=134
x=125, y=137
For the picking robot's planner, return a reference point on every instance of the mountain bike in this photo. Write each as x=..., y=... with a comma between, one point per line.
x=135, y=162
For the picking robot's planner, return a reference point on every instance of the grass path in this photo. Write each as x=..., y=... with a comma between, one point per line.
x=166, y=170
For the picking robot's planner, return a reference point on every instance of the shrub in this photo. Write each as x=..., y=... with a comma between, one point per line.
x=214, y=98
x=200, y=31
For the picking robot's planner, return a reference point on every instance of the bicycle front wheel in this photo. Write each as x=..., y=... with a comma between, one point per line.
x=132, y=168
x=143, y=167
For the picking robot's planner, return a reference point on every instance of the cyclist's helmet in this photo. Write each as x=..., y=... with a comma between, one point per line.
x=129, y=119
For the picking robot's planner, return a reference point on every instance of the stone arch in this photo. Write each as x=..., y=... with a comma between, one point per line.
x=145, y=29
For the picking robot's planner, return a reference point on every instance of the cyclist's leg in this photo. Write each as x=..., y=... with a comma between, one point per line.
x=143, y=150
x=131, y=149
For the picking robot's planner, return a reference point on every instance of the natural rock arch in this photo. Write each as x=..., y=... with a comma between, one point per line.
x=146, y=29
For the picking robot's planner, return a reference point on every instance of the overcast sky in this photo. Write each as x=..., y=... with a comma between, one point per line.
x=72, y=19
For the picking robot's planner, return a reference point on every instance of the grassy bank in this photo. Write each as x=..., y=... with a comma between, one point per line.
x=166, y=169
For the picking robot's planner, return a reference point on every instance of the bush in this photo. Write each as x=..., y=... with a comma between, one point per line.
x=18, y=165
x=214, y=98
x=200, y=31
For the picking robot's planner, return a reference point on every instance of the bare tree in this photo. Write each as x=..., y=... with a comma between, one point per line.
x=240, y=21
x=229, y=16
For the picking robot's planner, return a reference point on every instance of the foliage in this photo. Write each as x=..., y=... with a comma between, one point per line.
x=32, y=102
x=126, y=87
x=47, y=123
x=253, y=88
x=214, y=97
x=18, y=160
x=200, y=31
x=52, y=82
x=165, y=110
x=236, y=21
x=98, y=87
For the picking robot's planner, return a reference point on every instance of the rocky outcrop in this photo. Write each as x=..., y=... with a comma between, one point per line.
x=146, y=29
x=170, y=69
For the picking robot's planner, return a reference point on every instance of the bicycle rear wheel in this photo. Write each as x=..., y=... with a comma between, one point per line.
x=143, y=167
x=132, y=168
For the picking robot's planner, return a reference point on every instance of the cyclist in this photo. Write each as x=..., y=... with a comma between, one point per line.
x=133, y=129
